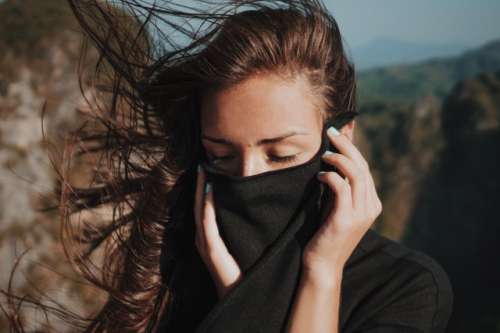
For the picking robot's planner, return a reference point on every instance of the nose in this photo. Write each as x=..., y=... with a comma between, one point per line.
x=251, y=164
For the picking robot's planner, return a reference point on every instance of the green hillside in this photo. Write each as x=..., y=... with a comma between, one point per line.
x=406, y=84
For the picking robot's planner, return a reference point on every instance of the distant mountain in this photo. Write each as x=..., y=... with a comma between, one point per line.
x=400, y=130
x=387, y=51
x=406, y=84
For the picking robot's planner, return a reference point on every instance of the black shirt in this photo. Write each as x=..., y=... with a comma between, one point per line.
x=386, y=287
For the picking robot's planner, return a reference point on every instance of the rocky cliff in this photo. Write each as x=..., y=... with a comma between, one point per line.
x=38, y=67
x=455, y=216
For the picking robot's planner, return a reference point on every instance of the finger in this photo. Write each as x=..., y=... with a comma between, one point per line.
x=355, y=177
x=347, y=148
x=224, y=265
x=343, y=196
x=209, y=225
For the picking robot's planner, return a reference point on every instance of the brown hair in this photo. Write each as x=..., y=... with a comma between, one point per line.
x=148, y=130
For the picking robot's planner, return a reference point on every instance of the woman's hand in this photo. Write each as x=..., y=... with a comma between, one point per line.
x=353, y=209
x=223, y=268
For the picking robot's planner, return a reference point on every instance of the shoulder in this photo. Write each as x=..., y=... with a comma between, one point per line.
x=404, y=282
x=394, y=253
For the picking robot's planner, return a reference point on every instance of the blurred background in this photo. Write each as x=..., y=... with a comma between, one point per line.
x=429, y=95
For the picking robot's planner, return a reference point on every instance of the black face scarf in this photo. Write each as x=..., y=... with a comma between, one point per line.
x=265, y=220
x=253, y=211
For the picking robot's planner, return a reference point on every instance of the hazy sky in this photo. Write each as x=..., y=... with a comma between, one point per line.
x=462, y=22
x=465, y=22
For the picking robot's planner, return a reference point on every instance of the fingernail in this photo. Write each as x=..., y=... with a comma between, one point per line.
x=199, y=167
x=333, y=130
x=321, y=173
x=208, y=187
x=328, y=152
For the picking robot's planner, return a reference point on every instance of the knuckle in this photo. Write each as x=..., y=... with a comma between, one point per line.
x=373, y=216
x=358, y=173
x=330, y=178
x=376, y=210
x=343, y=187
x=331, y=158
x=335, y=157
x=341, y=158
x=365, y=165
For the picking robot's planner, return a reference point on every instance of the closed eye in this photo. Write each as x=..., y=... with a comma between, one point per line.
x=272, y=158
x=282, y=159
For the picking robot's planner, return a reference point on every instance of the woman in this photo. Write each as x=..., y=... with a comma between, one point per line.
x=249, y=207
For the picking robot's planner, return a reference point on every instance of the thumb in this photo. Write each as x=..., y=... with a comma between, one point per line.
x=209, y=224
x=225, y=268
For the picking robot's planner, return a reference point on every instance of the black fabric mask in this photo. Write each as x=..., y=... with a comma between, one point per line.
x=265, y=220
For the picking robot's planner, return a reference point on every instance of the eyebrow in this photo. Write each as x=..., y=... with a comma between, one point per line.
x=260, y=142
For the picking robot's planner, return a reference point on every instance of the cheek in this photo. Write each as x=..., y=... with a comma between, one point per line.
x=315, y=145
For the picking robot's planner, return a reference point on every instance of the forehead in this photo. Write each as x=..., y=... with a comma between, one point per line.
x=260, y=104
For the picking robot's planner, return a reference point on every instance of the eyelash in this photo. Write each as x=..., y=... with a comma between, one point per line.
x=274, y=159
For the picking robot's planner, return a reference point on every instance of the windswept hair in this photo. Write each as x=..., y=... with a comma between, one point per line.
x=145, y=108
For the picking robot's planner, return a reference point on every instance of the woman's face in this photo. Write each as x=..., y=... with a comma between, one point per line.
x=259, y=125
